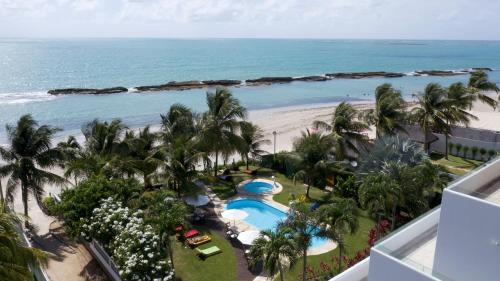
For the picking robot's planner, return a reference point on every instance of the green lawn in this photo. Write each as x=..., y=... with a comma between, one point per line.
x=219, y=267
x=454, y=164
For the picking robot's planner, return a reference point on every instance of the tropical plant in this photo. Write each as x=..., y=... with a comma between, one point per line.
x=16, y=260
x=450, y=147
x=483, y=152
x=346, y=130
x=459, y=147
x=102, y=138
x=491, y=153
x=346, y=187
x=179, y=168
x=253, y=140
x=389, y=112
x=275, y=248
x=314, y=151
x=479, y=82
x=431, y=112
x=304, y=223
x=474, y=150
x=339, y=218
x=220, y=124
x=27, y=159
x=466, y=151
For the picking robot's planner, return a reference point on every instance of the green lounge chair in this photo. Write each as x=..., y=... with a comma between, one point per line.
x=214, y=250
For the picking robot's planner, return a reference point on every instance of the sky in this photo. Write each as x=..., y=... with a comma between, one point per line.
x=370, y=19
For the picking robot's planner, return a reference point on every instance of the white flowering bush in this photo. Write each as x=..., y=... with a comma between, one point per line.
x=134, y=246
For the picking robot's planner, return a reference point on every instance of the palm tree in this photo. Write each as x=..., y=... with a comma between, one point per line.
x=253, y=139
x=16, y=260
x=221, y=123
x=314, y=151
x=304, y=225
x=378, y=192
x=431, y=112
x=30, y=153
x=478, y=82
x=180, y=164
x=179, y=121
x=275, y=247
x=339, y=218
x=346, y=130
x=102, y=138
x=72, y=151
x=389, y=111
x=458, y=101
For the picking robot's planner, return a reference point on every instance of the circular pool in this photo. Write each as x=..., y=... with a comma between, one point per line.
x=260, y=186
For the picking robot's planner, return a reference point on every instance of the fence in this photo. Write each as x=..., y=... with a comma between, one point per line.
x=104, y=259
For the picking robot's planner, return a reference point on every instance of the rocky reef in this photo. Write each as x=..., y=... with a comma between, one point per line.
x=361, y=75
x=269, y=80
x=85, y=91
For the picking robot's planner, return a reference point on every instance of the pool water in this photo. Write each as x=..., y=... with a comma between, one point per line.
x=258, y=187
x=263, y=216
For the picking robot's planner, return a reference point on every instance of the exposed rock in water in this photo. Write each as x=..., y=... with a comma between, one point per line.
x=360, y=75
x=269, y=80
x=174, y=85
x=482, y=69
x=440, y=73
x=84, y=91
x=221, y=82
x=311, y=78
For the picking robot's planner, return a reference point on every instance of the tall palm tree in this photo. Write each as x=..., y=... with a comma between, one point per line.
x=479, y=82
x=253, y=139
x=16, y=259
x=376, y=188
x=339, y=218
x=180, y=164
x=314, y=151
x=179, y=121
x=275, y=247
x=389, y=112
x=431, y=112
x=303, y=222
x=102, y=138
x=346, y=130
x=72, y=151
x=458, y=101
x=29, y=155
x=221, y=123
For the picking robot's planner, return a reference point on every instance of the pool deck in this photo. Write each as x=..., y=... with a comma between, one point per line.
x=267, y=198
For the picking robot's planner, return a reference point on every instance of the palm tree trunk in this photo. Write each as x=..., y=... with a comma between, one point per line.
x=377, y=237
x=171, y=254
x=393, y=216
x=304, y=265
x=1, y=192
x=216, y=162
x=280, y=268
x=308, y=187
x=341, y=256
x=24, y=195
x=247, y=162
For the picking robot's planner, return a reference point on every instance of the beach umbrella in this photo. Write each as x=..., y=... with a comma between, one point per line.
x=248, y=237
x=234, y=214
x=198, y=200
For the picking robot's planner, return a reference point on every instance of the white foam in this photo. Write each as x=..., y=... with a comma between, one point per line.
x=26, y=97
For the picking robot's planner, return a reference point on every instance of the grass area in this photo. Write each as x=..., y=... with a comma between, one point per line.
x=454, y=164
x=355, y=243
x=189, y=267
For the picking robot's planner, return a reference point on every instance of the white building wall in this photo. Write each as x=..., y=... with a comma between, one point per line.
x=386, y=268
x=468, y=240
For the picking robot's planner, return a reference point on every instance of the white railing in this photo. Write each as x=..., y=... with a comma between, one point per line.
x=356, y=273
x=104, y=259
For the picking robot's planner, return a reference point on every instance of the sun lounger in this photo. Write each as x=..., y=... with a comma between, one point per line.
x=214, y=250
x=196, y=241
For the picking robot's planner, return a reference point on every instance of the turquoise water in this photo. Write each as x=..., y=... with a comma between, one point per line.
x=258, y=187
x=28, y=68
x=263, y=216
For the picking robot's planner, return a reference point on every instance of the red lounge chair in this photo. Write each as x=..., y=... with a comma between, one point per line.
x=179, y=228
x=191, y=233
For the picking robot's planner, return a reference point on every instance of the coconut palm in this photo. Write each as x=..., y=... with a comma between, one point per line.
x=221, y=122
x=102, y=138
x=431, y=112
x=16, y=259
x=346, y=130
x=314, y=152
x=479, y=82
x=181, y=158
x=275, y=247
x=389, y=112
x=253, y=139
x=179, y=121
x=380, y=191
x=303, y=222
x=339, y=218
x=29, y=155
x=458, y=101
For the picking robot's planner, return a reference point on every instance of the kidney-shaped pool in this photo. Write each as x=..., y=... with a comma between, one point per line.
x=264, y=216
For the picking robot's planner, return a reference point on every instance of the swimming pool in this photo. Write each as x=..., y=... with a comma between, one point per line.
x=264, y=216
x=259, y=186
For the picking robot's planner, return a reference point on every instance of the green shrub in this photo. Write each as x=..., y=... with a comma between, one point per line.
x=346, y=188
x=79, y=202
x=491, y=153
x=458, y=146
x=466, y=150
x=474, y=151
x=482, y=151
x=50, y=205
x=450, y=147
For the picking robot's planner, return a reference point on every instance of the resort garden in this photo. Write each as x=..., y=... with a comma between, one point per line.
x=155, y=200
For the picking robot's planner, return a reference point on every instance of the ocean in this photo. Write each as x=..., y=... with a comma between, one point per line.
x=30, y=67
